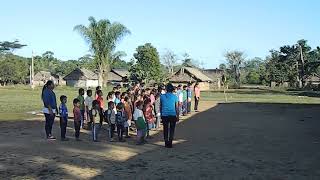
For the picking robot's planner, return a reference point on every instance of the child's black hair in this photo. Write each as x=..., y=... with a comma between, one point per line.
x=99, y=91
x=63, y=97
x=89, y=91
x=94, y=103
x=185, y=86
x=81, y=90
x=117, y=93
x=98, y=88
x=110, y=103
x=76, y=100
x=120, y=106
x=126, y=98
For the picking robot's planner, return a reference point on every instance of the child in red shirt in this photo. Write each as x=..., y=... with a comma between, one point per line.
x=77, y=118
x=101, y=104
x=148, y=114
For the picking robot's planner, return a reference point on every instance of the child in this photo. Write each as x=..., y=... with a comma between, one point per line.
x=101, y=104
x=152, y=96
x=189, y=95
x=180, y=98
x=157, y=111
x=148, y=114
x=128, y=110
x=121, y=118
x=77, y=118
x=88, y=105
x=110, y=96
x=111, y=119
x=82, y=106
x=140, y=123
x=95, y=120
x=117, y=100
x=97, y=89
x=63, y=111
x=185, y=99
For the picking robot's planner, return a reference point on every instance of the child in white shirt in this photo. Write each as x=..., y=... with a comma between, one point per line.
x=140, y=123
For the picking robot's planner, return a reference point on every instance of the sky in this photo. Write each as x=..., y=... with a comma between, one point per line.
x=205, y=29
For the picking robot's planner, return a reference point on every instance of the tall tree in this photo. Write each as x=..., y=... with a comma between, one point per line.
x=169, y=59
x=10, y=46
x=147, y=66
x=102, y=37
x=235, y=59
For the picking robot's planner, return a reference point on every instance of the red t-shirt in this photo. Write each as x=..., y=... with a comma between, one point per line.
x=76, y=114
x=101, y=102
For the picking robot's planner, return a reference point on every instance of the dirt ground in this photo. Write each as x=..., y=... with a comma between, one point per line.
x=224, y=141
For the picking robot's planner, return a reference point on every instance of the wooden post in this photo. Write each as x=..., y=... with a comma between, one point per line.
x=32, y=72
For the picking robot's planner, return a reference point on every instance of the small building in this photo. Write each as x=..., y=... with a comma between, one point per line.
x=192, y=75
x=118, y=76
x=42, y=77
x=82, y=78
x=215, y=75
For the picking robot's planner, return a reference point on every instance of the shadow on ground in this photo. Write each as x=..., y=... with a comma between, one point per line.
x=227, y=141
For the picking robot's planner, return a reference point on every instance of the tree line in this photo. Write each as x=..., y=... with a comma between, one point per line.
x=290, y=63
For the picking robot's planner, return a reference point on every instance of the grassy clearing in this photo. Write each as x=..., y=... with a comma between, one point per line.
x=263, y=96
x=15, y=102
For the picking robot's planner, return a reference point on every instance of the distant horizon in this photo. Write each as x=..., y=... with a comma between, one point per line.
x=204, y=30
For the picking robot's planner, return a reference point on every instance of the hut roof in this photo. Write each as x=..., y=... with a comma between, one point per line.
x=81, y=74
x=313, y=78
x=44, y=76
x=187, y=74
x=112, y=76
x=121, y=72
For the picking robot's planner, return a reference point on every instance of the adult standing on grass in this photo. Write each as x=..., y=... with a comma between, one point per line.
x=169, y=114
x=50, y=107
x=196, y=96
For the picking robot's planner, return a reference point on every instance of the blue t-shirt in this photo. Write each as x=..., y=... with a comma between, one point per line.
x=168, y=104
x=63, y=111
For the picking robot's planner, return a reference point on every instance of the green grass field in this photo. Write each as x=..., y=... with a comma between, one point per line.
x=18, y=102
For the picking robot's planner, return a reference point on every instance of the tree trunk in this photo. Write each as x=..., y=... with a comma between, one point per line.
x=106, y=70
x=100, y=76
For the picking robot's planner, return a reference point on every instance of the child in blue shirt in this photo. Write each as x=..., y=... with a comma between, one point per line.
x=63, y=111
x=118, y=98
x=121, y=118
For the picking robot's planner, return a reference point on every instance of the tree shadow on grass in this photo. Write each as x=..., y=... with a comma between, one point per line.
x=228, y=141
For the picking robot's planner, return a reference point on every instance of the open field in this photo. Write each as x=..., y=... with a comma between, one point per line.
x=15, y=103
x=224, y=141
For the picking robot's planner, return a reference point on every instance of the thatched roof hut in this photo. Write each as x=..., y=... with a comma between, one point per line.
x=191, y=75
x=41, y=77
x=118, y=75
x=82, y=78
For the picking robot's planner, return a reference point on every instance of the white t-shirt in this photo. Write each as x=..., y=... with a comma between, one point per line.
x=181, y=97
x=88, y=102
x=137, y=113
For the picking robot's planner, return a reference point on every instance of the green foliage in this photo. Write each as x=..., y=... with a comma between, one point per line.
x=13, y=69
x=6, y=46
x=102, y=37
x=147, y=66
x=235, y=60
x=255, y=71
x=293, y=63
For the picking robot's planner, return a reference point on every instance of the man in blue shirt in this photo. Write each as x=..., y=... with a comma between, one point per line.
x=169, y=114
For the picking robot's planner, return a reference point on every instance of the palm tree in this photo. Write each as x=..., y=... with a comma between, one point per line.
x=102, y=37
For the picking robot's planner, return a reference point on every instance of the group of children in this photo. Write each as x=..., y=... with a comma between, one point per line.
x=136, y=109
